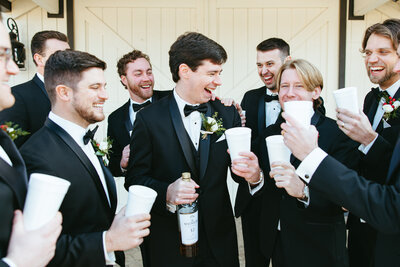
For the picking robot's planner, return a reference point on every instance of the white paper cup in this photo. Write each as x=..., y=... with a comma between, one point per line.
x=43, y=200
x=239, y=140
x=301, y=111
x=347, y=98
x=277, y=150
x=140, y=200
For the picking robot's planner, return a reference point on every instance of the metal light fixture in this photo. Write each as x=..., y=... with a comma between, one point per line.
x=18, y=48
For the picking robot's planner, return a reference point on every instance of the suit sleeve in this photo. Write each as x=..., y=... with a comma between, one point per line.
x=3, y=264
x=377, y=204
x=17, y=114
x=116, y=150
x=140, y=164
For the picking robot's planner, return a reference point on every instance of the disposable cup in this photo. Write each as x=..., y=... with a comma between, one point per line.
x=347, y=98
x=140, y=200
x=43, y=200
x=277, y=150
x=239, y=139
x=301, y=111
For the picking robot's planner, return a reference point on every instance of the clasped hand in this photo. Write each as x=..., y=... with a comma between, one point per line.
x=285, y=177
x=182, y=192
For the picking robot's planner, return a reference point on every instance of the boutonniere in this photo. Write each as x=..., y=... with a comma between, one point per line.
x=390, y=107
x=13, y=130
x=103, y=149
x=211, y=125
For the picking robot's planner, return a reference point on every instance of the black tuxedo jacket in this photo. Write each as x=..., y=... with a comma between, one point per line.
x=253, y=103
x=85, y=209
x=31, y=108
x=378, y=204
x=119, y=126
x=313, y=235
x=13, y=185
x=162, y=152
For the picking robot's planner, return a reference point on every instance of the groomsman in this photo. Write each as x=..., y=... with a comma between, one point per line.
x=136, y=75
x=17, y=247
x=167, y=141
x=32, y=104
x=374, y=133
x=91, y=233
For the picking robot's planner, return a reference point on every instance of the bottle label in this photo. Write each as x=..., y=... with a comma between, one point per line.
x=189, y=228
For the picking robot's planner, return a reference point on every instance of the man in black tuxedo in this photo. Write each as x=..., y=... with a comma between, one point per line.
x=379, y=48
x=32, y=104
x=136, y=75
x=167, y=141
x=17, y=247
x=91, y=233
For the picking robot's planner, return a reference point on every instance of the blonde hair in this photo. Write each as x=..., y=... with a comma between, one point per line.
x=310, y=76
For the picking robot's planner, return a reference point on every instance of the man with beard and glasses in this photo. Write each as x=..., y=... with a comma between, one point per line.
x=92, y=235
x=373, y=130
x=137, y=77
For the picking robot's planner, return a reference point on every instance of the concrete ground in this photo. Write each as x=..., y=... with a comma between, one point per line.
x=134, y=259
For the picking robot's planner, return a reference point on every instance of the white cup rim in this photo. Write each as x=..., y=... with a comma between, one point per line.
x=236, y=131
x=274, y=139
x=345, y=90
x=142, y=191
x=49, y=179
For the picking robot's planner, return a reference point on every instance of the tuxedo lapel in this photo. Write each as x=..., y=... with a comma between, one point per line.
x=126, y=118
x=181, y=133
x=14, y=176
x=204, y=147
x=261, y=114
x=39, y=83
x=372, y=106
x=70, y=142
x=112, y=190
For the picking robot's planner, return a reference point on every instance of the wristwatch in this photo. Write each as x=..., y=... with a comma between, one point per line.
x=306, y=194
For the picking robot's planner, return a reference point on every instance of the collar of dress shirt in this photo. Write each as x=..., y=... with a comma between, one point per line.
x=269, y=92
x=74, y=130
x=181, y=103
x=134, y=102
x=4, y=156
x=392, y=89
x=40, y=76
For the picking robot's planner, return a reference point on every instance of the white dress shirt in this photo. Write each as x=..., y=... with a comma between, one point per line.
x=272, y=109
x=77, y=132
x=4, y=156
x=192, y=122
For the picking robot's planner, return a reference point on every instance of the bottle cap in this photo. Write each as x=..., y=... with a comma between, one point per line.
x=186, y=176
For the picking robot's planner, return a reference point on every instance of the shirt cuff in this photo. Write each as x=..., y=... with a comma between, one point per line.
x=9, y=262
x=255, y=189
x=109, y=256
x=365, y=149
x=171, y=207
x=310, y=164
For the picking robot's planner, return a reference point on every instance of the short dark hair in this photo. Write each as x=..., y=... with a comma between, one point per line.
x=39, y=41
x=128, y=58
x=66, y=67
x=191, y=48
x=275, y=43
x=389, y=29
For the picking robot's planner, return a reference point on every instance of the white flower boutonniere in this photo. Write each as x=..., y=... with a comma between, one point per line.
x=390, y=107
x=211, y=125
x=13, y=130
x=103, y=149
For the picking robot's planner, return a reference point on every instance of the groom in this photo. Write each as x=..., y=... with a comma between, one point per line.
x=167, y=141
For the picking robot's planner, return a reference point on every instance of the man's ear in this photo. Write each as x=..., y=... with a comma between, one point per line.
x=124, y=81
x=316, y=93
x=38, y=60
x=64, y=93
x=287, y=58
x=183, y=71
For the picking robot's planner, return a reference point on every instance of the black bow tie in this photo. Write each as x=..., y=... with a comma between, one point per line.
x=269, y=98
x=202, y=108
x=89, y=135
x=137, y=107
x=379, y=94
